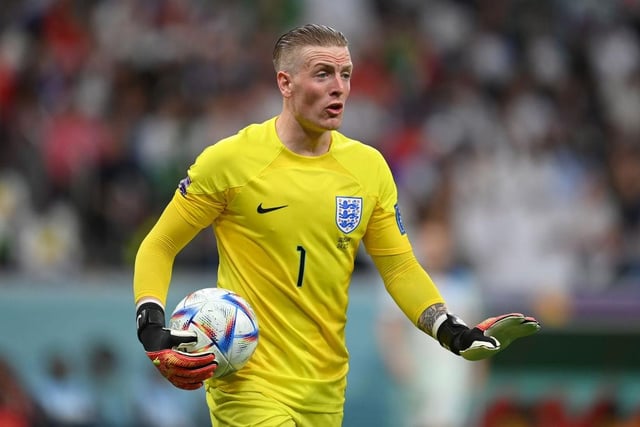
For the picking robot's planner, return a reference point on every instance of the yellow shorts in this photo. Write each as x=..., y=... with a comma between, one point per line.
x=257, y=410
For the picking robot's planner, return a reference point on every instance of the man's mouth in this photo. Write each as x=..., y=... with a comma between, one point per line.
x=335, y=108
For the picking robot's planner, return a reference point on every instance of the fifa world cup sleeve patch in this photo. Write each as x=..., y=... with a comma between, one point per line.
x=399, y=219
x=183, y=185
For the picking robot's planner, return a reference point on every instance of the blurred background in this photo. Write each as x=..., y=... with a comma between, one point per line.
x=512, y=127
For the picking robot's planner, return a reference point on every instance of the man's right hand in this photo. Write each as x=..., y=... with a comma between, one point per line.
x=183, y=370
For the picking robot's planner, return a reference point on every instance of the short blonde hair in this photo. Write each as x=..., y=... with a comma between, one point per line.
x=302, y=36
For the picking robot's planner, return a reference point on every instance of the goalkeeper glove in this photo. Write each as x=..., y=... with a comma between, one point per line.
x=184, y=370
x=485, y=339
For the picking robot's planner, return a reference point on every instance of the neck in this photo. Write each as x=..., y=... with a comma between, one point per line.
x=301, y=140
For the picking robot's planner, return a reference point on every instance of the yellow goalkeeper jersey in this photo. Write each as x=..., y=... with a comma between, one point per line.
x=288, y=229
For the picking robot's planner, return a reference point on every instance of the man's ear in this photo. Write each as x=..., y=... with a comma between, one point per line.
x=284, y=83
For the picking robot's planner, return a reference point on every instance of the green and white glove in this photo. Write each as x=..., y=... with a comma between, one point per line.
x=487, y=338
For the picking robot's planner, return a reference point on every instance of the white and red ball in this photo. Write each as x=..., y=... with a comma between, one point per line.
x=224, y=323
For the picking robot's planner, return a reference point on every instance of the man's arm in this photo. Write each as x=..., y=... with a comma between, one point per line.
x=430, y=316
x=157, y=252
x=409, y=285
x=151, y=279
x=418, y=297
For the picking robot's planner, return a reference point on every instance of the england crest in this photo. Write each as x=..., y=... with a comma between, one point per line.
x=348, y=213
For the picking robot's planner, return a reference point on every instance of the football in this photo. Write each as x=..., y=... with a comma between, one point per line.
x=224, y=323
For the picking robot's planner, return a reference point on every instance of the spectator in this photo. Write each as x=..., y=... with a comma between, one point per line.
x=17, y=406
x=428, y=377
x=110, y=392
x=64, y=397
x=157, y=403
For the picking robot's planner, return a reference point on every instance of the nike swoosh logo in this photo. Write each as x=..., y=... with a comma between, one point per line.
x=262, y=210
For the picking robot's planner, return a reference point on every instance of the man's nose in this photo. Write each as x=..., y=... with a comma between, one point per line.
x=339, y=85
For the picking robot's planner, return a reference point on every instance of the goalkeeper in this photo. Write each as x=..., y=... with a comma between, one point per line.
x=290, y=200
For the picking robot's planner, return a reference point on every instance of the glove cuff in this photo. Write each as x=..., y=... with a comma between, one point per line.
x=448, y=329
x=149, y=314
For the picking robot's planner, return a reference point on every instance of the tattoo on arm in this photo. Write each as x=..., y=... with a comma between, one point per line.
x=430, y=315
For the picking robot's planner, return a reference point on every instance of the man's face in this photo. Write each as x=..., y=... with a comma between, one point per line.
x=320, y=86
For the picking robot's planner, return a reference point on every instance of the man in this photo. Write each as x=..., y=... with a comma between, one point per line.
x=290, y=200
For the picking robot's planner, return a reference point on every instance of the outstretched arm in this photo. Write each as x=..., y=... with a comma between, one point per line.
x=418, y=297
x=430, y=317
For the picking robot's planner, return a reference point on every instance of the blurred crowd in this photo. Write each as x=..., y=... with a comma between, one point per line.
x=90, y=389
x=94, y=394
x=514, y=123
